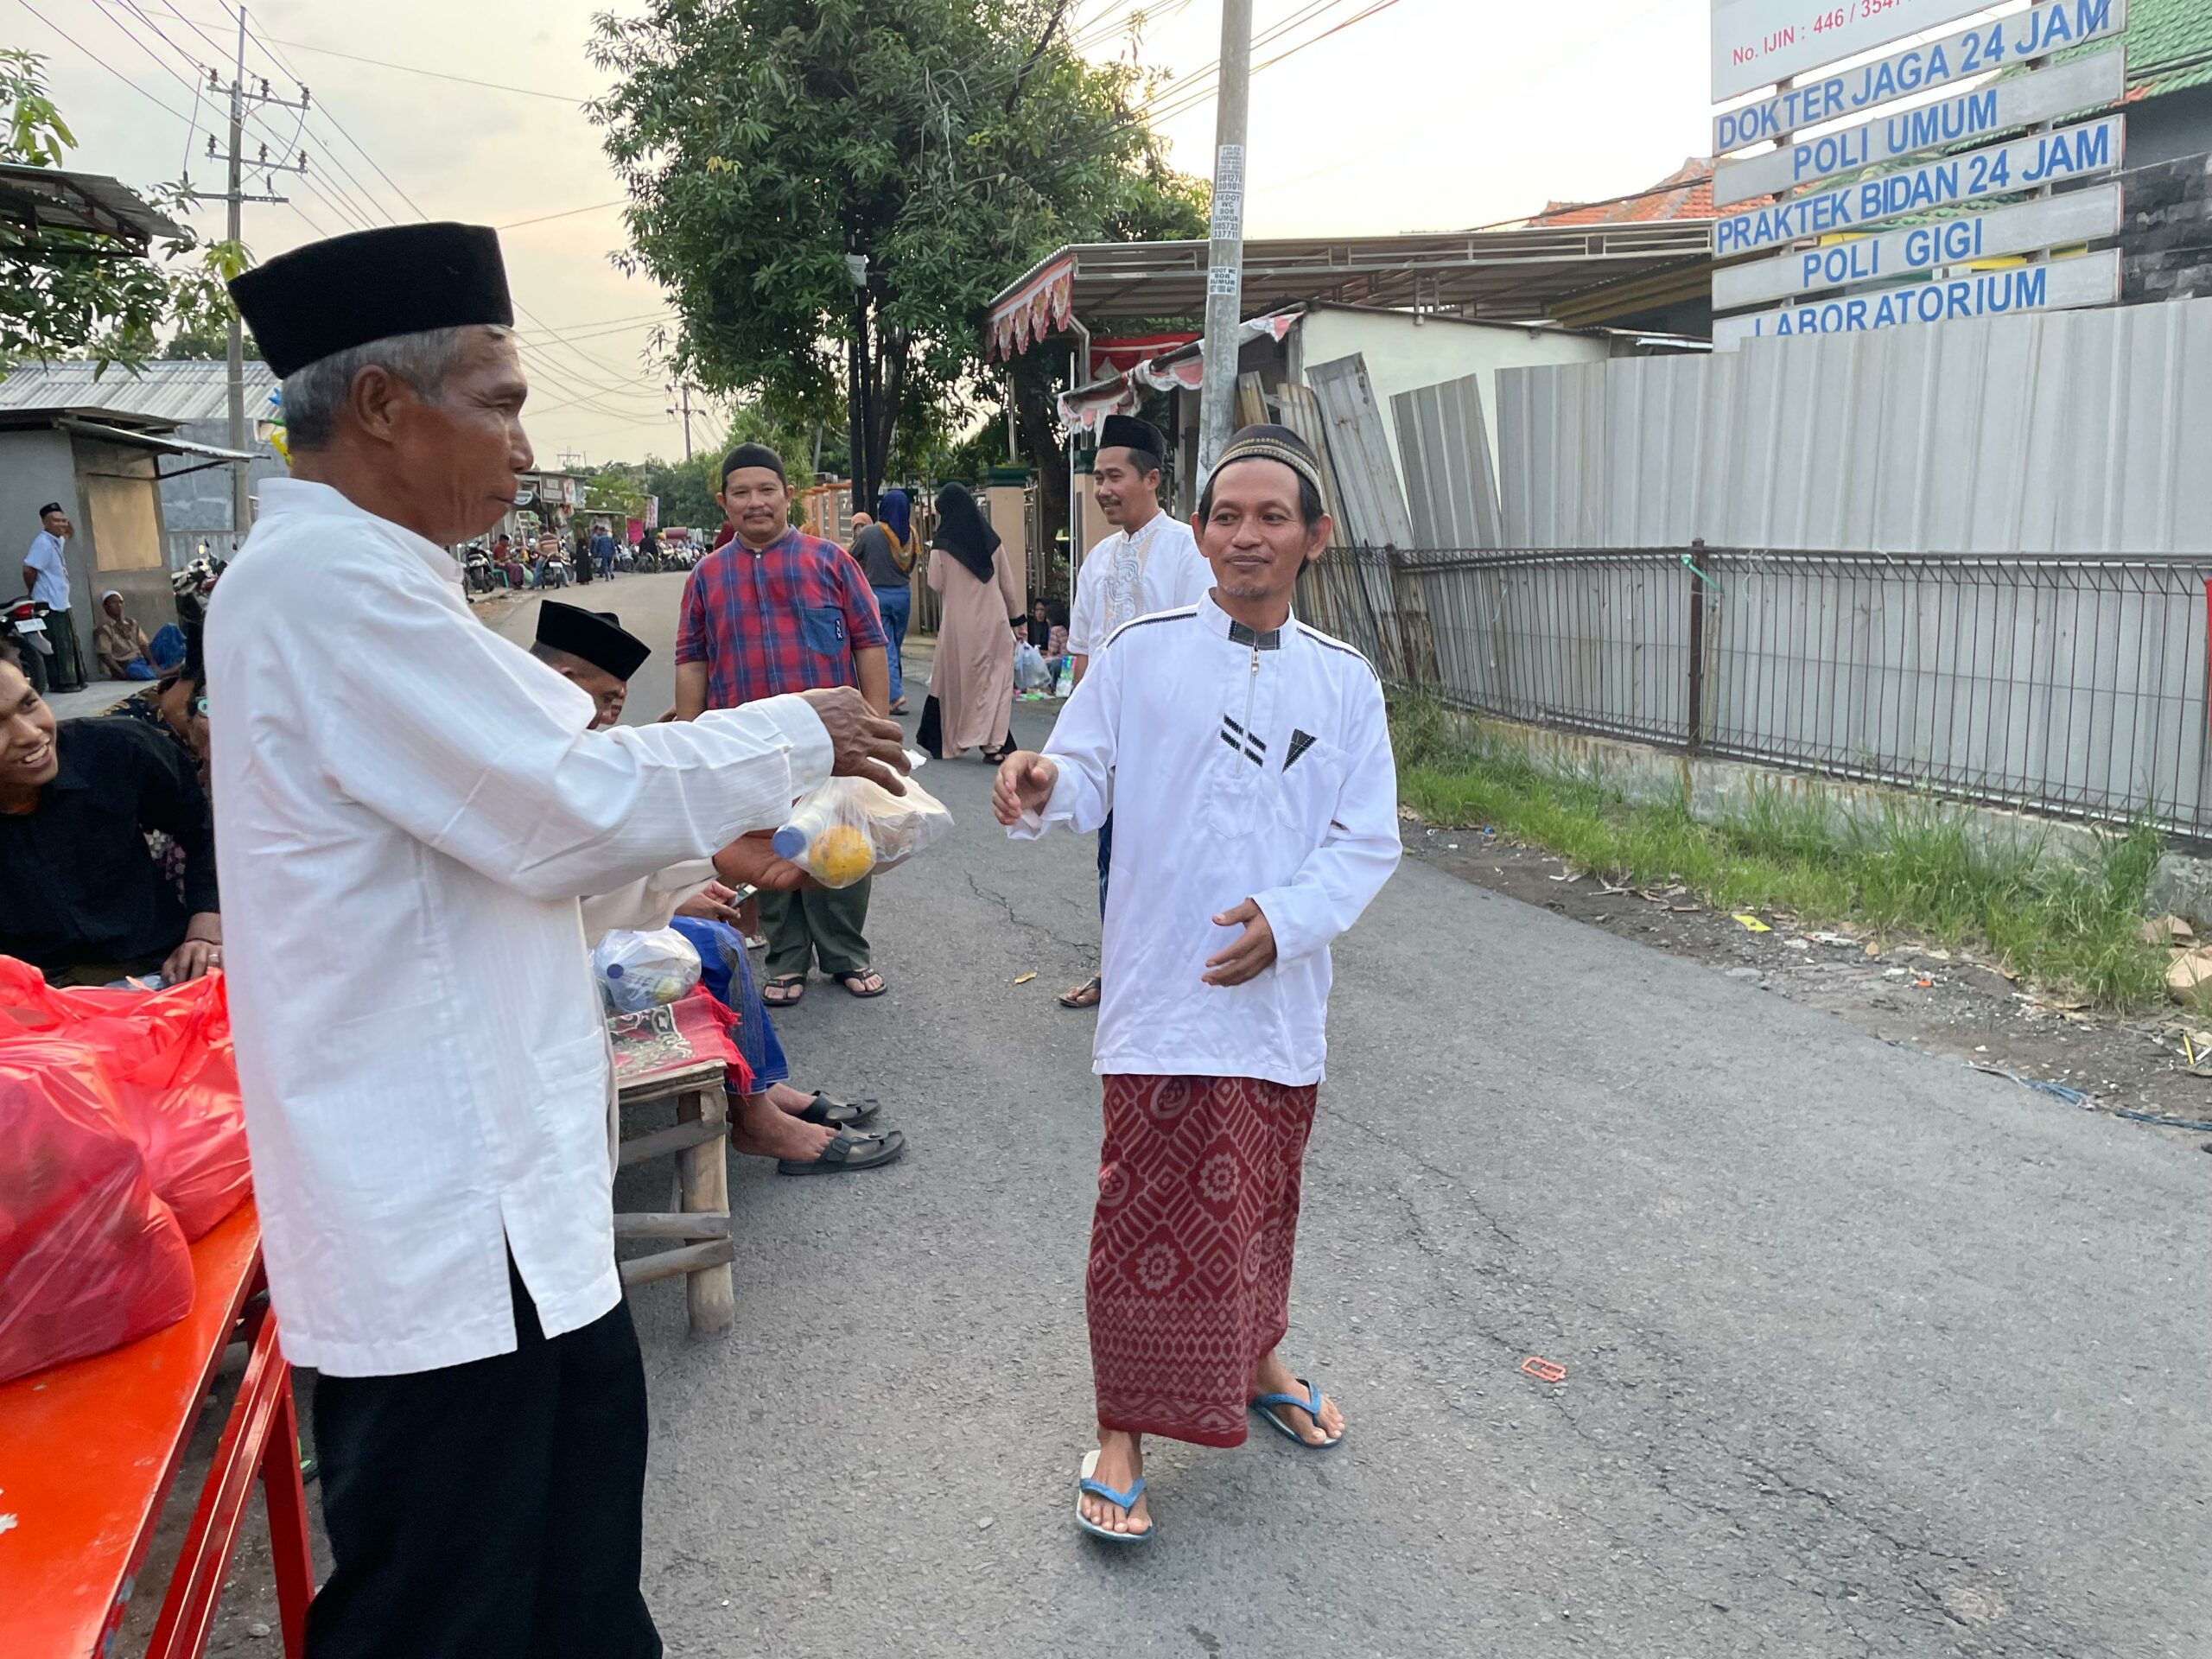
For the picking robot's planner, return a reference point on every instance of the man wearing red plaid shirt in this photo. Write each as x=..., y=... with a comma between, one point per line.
x=776, y=611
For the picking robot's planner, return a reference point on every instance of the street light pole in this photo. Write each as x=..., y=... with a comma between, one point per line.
x=1225, y=257
x=234, y=354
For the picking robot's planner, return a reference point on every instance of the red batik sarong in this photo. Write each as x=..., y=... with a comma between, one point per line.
x=1191, y=1248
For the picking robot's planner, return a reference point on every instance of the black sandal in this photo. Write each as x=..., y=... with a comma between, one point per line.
x=849, y=1151
x=837, y=1114
x=793, y=986
x=1088, y=994
x=847, y=982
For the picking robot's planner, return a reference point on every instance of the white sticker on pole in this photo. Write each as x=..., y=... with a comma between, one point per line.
x=2026, y=163
x=1227, y=281
x=2050, y=26
x=2001, y=106
x=1228, y=193
x=2092, y=279
x=1757, y=42
x=2024, y=227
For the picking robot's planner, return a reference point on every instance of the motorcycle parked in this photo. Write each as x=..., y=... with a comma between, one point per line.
x=476, y=571
x=23, y=624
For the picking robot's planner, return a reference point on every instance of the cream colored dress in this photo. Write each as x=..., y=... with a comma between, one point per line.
x=973, y=677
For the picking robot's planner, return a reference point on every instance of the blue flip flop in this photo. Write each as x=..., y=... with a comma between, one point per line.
x=1125, y=1501
x=1310, y=1403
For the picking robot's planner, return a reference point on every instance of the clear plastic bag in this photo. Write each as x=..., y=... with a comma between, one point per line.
x=638, y=971
x=850, y=829
x=1030, y=673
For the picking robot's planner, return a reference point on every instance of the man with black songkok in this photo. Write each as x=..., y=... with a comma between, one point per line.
x=432, y=1168
x=1151, y=563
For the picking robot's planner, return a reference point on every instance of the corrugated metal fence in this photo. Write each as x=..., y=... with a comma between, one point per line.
x=2071, y=685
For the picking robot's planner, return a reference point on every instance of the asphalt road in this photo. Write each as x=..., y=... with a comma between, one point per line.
x=1867, y=1352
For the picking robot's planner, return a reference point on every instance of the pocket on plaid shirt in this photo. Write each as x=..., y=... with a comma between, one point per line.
x=824, y=629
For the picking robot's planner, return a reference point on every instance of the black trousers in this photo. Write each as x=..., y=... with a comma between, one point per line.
x=491, y=1510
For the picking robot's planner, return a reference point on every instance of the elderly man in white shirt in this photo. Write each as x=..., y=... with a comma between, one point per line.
x=1150, y=563
x=407, y=819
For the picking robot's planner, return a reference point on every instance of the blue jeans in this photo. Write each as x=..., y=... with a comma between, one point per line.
x=896, y=606
x=141, y=669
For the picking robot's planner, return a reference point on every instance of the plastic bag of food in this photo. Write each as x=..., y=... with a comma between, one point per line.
x=90, y=1258
x=167, y=1058
x=638, y=971
x=1030, y=673
x=850, y=829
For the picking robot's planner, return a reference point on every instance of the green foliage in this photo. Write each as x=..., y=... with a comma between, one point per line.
x=69, y=293
x=951, y=142
x=1918, y=871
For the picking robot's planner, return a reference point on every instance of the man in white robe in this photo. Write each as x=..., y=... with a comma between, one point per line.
x=407, y=810
x=1246, y=758
x=1150, y=563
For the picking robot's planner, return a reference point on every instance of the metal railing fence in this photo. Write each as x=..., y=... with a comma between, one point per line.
x=2068, y=685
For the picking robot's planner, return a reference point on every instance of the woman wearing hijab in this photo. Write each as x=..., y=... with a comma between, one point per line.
x=971, y=687
x=885, y=550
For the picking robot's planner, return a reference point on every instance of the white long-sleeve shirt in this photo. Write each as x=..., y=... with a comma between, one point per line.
x=1236, y=767
x=408, y=807
x=1126, y=577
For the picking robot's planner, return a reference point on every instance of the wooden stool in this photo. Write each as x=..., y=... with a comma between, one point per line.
x=702, y=1224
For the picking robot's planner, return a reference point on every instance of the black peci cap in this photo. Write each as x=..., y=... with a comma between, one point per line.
x=598, y=637
x=1127, y=432
x=328, y=297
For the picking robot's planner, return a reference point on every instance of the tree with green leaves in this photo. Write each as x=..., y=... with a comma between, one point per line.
x=74, y=293
x=833, y=190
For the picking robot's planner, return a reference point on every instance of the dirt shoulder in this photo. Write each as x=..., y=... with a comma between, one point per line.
x=1912, y=995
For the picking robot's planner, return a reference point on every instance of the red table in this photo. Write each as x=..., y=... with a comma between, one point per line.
x=88, y=1453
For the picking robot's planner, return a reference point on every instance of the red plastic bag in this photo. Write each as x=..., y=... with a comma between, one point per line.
x=168, y=1055
x=90, y=1258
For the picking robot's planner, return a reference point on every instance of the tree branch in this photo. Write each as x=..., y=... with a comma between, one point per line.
x=1043, y=44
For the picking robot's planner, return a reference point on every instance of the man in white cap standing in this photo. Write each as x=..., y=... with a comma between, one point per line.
x=409, y=820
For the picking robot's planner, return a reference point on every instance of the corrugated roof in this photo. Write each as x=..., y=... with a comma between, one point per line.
x=2169, y=45
x=51, y=197
x=181, y=391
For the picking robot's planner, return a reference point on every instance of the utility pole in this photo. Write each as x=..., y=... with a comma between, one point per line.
x=682, y=391
x=236, y=198
x=1226, y=258
x=859, y=413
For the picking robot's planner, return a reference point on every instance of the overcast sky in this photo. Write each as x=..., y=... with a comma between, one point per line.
x=1428, y=115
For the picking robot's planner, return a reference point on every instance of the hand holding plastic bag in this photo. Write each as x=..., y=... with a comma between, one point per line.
x=850, y=829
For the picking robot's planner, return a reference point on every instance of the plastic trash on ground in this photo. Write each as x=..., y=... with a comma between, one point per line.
x=638, y=971
x=850, y=829
x=1030, y=673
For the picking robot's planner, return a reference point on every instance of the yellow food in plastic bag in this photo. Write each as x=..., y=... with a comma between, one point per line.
x=841, y=856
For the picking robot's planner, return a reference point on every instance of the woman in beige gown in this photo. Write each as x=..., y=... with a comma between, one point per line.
x=972, y=684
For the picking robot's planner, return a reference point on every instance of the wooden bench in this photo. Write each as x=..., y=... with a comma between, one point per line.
x=88, y=1453
x=699, y=1227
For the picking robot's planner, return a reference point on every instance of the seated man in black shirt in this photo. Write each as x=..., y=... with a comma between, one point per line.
x=80, y=897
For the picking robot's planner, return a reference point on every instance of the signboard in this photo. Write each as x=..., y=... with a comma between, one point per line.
x=2040, y=158
x=2024, y=227
x=652, y=512
x=2092, y=279
x=1999, y=106
x=1757, y=42
x=2048, y=26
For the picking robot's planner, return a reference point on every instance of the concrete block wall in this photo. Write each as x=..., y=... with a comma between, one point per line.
x=2166, y=231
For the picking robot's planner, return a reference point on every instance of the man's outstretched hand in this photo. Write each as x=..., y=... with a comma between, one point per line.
x=1025, y=784
x=751, y=861
x=712, y=903
x=866, y=743
x=1252, y=954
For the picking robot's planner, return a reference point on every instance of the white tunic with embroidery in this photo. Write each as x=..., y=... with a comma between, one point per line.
x=1126, y=577
x=1236, y=767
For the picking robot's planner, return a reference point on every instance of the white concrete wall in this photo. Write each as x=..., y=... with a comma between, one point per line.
x=1405, y=352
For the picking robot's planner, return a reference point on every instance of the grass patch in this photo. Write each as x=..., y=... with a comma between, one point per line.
x=1919, y=872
